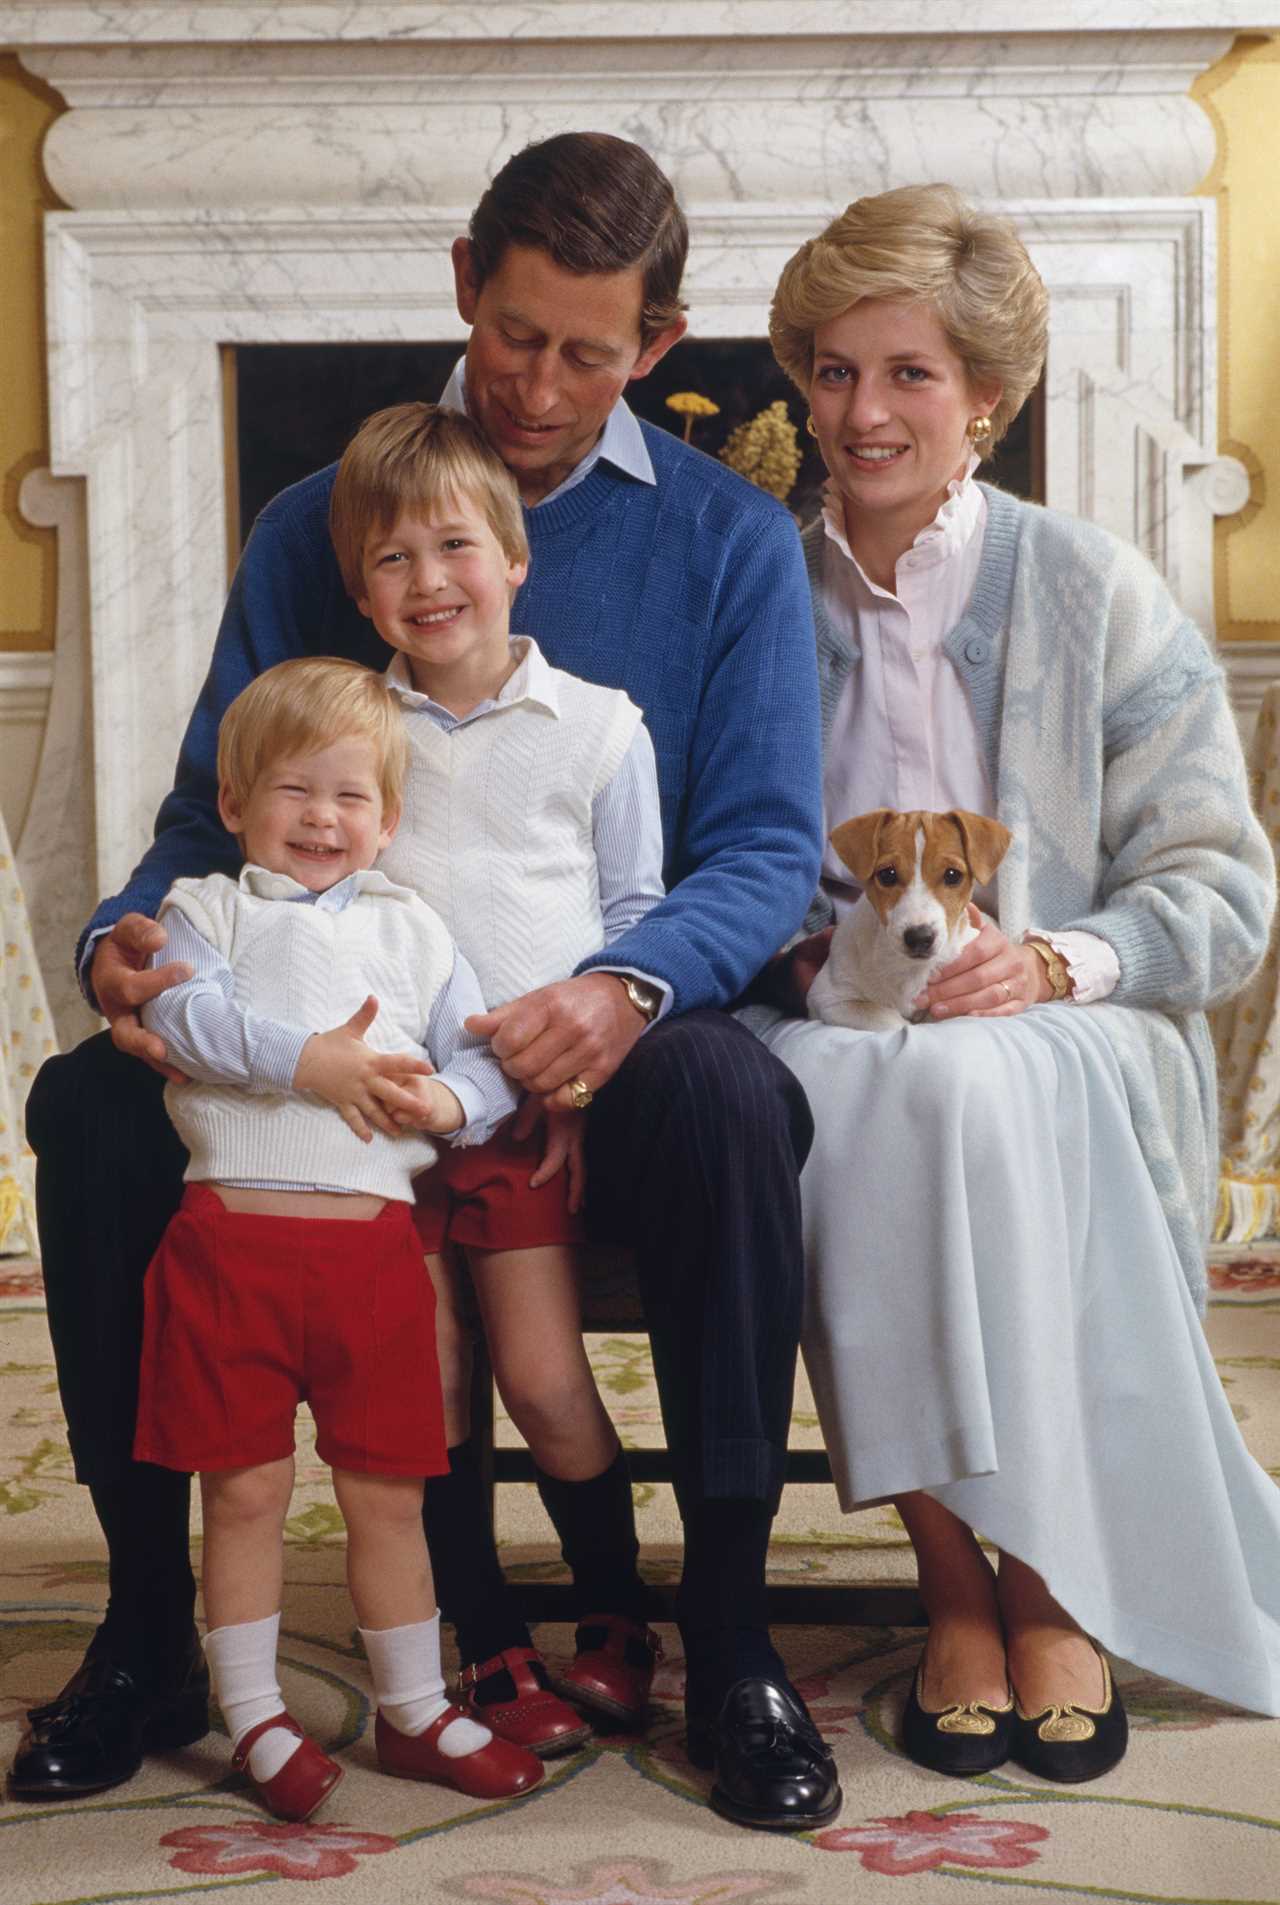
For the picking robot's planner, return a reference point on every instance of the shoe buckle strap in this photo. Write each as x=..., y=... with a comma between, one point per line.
x=286, y=1723
x=511, y=1660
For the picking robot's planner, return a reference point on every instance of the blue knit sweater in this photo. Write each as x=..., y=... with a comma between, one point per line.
x=691, y=594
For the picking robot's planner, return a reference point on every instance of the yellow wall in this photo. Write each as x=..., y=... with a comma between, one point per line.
x=26, y=555
x=1241, y=94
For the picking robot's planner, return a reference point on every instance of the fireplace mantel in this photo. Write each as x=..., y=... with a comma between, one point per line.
x=758, y=101
x=241, y=173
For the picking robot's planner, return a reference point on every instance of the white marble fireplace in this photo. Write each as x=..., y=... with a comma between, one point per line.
x=241, y=173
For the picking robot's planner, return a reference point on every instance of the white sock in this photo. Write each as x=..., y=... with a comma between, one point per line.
x=242, y=1666
x=408, y=1680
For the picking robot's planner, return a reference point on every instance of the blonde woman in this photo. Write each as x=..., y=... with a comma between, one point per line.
x=1006, y=1206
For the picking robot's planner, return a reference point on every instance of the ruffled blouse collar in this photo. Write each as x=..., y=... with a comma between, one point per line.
x=953, y=528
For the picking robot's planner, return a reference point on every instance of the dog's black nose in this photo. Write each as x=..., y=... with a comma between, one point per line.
x=919, y=941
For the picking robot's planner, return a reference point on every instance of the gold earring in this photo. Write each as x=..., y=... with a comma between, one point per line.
x=810, y=425
x=980, y=432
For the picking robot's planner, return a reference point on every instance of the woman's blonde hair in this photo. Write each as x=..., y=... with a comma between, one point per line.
x=301, y=706
x=923, y=244
x=406, y=460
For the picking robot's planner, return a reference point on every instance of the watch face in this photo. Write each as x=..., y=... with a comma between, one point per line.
x=645, y=998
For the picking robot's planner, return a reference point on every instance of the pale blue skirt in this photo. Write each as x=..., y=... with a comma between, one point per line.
x=996, y=1313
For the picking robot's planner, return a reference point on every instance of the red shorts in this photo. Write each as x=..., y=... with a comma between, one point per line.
x=249, y=1315
x=479, y=1194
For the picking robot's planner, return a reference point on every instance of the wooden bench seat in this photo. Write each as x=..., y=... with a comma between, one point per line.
x=611, y=1304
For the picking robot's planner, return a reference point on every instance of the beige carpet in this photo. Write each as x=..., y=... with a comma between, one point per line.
x=1192, y=1814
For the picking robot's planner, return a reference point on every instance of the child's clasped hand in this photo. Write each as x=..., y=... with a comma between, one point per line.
x=365, y=1086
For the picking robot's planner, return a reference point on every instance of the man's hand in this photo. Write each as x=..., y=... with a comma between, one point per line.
x=121, y=984
x=992, y=979
x=340, y=1068
x=577, y=1028
x=420, y=1104
x=565, y=1149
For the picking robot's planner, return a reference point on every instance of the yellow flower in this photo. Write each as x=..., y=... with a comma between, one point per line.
x=766, y=451
x=688, y=403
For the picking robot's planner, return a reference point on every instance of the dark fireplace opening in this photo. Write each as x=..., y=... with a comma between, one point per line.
x=295, y=407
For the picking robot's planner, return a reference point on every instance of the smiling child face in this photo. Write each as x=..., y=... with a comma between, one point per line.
x=316, y=817
x=438, y=587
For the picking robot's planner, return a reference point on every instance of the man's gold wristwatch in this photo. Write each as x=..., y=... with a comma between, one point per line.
x=1055, y=965
x=646, y=999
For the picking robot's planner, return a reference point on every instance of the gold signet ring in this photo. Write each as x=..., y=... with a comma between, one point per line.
x=580, y=1093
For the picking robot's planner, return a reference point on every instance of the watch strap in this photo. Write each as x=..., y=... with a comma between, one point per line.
x=1055, y=965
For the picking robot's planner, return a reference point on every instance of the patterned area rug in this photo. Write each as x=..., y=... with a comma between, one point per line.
x=1192, y=1814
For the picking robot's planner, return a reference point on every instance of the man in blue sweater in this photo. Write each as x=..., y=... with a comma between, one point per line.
x=656, y=570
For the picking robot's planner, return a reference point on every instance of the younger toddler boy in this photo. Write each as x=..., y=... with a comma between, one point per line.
x=321, y=994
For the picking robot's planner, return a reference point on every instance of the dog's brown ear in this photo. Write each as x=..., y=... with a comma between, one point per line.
x=856, y=841
x=985, y=842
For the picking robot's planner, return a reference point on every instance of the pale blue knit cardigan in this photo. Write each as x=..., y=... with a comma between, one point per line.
x=1116, y=764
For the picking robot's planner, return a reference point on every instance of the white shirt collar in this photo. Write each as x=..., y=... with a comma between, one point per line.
x=952, y=529
x=533, y=680
x=621, y=442
x=266, y=885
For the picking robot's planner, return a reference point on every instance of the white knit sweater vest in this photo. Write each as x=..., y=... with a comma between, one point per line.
x=311, y=967
x=496, y=831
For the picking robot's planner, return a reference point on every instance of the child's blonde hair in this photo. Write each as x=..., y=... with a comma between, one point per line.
x=301, y=706
x=405, y=460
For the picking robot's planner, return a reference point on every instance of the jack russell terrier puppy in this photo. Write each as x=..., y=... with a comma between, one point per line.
x=916, y=871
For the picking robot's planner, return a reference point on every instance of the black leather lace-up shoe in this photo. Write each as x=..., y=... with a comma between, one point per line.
x=773, y=1768
x=94, y=1734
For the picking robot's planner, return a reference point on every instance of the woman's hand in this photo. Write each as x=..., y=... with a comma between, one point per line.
x=992, y=979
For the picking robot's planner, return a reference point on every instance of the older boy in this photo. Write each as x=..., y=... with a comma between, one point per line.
x=531, y=824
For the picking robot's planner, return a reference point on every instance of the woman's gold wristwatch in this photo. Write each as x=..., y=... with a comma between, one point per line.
x=1055, y=965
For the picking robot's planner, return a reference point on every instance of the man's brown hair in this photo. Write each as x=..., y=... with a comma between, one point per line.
x=593, y=203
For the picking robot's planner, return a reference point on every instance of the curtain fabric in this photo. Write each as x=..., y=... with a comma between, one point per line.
x=26, y=1040
x=1247, y=1036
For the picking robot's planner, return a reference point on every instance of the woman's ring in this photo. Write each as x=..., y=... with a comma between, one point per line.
x=580, y=1093
x=1008, y=989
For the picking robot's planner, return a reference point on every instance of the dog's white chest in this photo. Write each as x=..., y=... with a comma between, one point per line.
x=872, y=977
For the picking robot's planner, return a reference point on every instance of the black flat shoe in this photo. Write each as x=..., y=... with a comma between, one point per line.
x=94, y=1734
x=1071, y=1743
x=773, y=1768
x=962, y=1740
